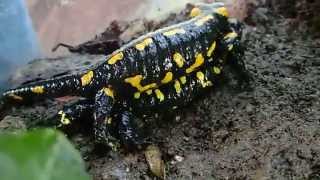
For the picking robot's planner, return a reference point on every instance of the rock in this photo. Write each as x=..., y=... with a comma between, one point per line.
x=154, y=159
x=12, y=123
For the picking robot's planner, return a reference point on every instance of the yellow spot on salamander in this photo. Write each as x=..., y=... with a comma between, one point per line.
x=140, y=46
x=174, y=31
x=115, y=58
x=202, y=78
x=230, y=47
x=231, y=35
x=167, y=78
x=222, y=11
x=211, y=49
x=136, y=95
x=148, y=86
x=109, y=120
x=209, y=83
x=199, y=61
x=108, y=92
x=149, y=92
x=203, y=20
x=37, y=89
x=195, y=12
x=216, y=70
x=178, y=59
x=87, y=78
x=183, y=79
x=159, y=95
x=177, y=86
x=135, y=81
x=64, y=120
x=15, y=97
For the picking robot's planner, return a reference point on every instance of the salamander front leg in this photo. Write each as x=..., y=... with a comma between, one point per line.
x=235, y=57
x=103, y=126
x=128, y=131
x=76, y=111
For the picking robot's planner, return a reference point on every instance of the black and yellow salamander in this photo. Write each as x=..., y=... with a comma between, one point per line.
x=159, y=71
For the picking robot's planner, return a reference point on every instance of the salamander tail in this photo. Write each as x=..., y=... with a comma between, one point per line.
x=65, y=85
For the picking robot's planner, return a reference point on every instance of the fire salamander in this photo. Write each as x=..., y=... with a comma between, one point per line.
x=160, y=71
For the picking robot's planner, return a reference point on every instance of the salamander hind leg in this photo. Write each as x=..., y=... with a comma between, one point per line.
x=128, y=131
x=103, y=123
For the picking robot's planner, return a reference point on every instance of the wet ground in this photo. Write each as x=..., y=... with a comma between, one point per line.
x=268, y=131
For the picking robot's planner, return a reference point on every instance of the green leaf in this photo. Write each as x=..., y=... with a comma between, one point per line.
x=39, y=155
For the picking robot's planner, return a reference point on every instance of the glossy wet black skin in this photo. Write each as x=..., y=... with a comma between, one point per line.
x=153, y=63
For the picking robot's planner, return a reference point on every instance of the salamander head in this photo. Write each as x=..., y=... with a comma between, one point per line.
x=203, y=8
x=236, y=26
x=223, y=11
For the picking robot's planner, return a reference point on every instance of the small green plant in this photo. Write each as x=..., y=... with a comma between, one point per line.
x=39, y=155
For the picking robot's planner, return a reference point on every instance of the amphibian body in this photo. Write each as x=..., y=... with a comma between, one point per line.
x=161, y=70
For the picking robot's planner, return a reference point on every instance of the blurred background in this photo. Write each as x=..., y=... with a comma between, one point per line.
x=19, y=42
x=75, y=21
x=31, y=28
